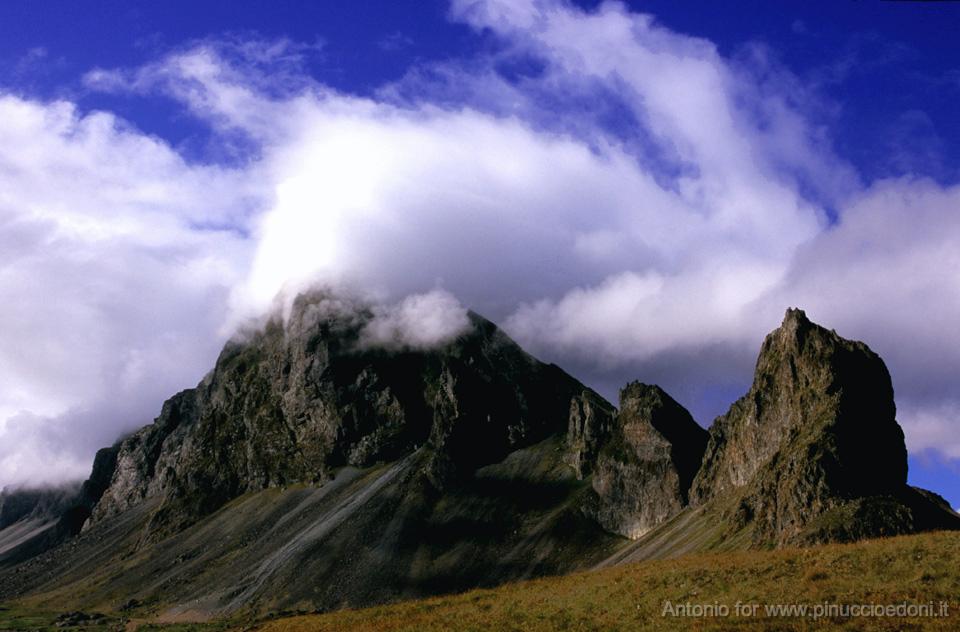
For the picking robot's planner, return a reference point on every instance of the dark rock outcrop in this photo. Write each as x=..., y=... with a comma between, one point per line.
x=92, y=490
x=297, y=400
x=816, y=432
x=811, y=454
x=644, y=471
x=33, y=520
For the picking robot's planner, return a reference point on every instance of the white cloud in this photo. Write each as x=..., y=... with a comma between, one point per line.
x=419, y=321
x=111, y=291
x=888, y=274
x=933, y=428
x=662, y=246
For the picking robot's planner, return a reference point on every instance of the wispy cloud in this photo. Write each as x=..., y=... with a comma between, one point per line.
x=395, y=41
x=419, y=321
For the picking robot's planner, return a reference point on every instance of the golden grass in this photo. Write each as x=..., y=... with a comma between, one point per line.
x=915, y=569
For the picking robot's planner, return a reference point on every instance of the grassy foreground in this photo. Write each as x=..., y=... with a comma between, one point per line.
x=916, y=570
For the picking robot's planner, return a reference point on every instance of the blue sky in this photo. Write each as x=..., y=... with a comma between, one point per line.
x=635, y=191
x=889, y=71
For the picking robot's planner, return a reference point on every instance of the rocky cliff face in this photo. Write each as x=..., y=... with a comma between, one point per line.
x=644, y=470
x=817, y=429
x=590, y=424
x=35, y=520
x=297, y=400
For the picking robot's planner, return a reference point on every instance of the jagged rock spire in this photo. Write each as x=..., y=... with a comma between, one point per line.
x=818, y=425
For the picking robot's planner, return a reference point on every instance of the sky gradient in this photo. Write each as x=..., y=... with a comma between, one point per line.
x=633, y=190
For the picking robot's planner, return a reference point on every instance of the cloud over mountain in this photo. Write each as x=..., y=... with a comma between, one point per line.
x=627, y=200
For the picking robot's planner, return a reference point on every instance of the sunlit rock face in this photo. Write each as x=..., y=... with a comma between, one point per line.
x=644, y=471
x=590, y=424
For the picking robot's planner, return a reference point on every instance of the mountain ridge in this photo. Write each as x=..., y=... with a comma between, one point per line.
x=395, y=473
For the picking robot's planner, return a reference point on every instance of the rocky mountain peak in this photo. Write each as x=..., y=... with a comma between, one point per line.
x=818, y=425
x=810, y=384
x=644, y=469
x=793, y=319
x=294, y=399
x=650, y=415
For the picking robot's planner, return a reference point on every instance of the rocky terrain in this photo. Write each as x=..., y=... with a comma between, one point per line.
x=301, y=399
x=813, y=452
x=314, y=469
x=644, y=470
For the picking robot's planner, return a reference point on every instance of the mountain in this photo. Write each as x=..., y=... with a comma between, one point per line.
x=378, y=471
x=317, y=468
x=30, y=519
x=302, y=399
